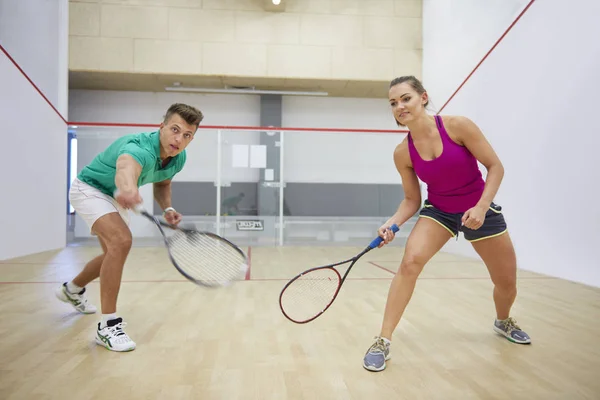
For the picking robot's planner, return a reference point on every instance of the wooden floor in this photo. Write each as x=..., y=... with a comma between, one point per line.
x=235, y=344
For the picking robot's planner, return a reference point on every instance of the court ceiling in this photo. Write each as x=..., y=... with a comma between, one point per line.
x=102, y=80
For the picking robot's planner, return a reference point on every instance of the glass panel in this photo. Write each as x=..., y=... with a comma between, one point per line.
x=249, y=194
x=340, y=187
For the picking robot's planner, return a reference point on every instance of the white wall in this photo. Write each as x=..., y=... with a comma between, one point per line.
x=33, y=201
x=537, y=108
x=456, y=36
x=340, y=157
x=36, y=35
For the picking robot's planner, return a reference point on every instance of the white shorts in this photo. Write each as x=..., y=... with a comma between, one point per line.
x=90, y=203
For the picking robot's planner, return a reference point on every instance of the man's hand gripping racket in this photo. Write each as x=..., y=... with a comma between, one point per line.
x=310, y=293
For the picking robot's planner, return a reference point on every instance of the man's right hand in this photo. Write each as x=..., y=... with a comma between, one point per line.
x=128, y=199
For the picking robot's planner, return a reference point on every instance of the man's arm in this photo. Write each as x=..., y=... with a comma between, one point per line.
x=126, y=178
x=128, y=173
x=162, y=193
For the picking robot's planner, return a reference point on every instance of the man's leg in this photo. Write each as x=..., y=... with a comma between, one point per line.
x=73, y=292
x=91, y=270
x=116, y=236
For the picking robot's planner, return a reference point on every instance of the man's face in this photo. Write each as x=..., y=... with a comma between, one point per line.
x=175, y=135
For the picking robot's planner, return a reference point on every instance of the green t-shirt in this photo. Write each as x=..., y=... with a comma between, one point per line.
x=143, y=147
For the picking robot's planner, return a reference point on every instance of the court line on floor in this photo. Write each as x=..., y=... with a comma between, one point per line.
x=427, y=278
x=373, y=263
x=247, y=277
x=43, y=263
x=180, y=281
x=380, y=267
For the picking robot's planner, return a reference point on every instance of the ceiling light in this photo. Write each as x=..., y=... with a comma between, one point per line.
x=243, y=91
x=276, y=2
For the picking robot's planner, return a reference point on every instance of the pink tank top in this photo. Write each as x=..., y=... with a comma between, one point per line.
x=454, y=181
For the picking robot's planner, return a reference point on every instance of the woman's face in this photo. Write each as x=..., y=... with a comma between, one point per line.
x=407, y=105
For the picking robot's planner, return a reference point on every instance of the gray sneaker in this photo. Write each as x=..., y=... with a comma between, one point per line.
x=377, y=355
x=511, y=331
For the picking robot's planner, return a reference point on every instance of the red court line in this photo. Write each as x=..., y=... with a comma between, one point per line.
x=32, y=84
x=383, y=268
x=456, y=277
x=433, y=278
x=487, y=54
x=179, y=281
x=253, y=128
x=249, y=263
x=43, y=264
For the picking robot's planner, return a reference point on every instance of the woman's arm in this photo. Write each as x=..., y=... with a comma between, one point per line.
x=469, y=135
x=410, y=184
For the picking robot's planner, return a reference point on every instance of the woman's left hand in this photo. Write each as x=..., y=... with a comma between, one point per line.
x=474, y=217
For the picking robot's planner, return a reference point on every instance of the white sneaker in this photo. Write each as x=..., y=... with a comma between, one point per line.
x=77, y=300
x=113, y=337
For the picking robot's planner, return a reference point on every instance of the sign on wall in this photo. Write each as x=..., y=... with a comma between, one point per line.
x=250, y=225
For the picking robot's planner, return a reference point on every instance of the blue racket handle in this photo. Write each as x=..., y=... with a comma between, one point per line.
x=376, y=242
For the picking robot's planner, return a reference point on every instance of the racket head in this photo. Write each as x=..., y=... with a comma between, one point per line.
x=309, y=294
x=205, y=258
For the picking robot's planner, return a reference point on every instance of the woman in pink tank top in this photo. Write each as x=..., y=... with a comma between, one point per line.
x=443, y=152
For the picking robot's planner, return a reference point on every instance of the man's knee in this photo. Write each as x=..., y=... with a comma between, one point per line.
x=113, y=233
x=121, y=242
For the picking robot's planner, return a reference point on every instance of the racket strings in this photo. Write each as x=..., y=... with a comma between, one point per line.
x=310, y=294
x=206, y=258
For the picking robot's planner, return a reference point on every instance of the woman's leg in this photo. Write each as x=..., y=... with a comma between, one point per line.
x=427, y=238
x=498, y=254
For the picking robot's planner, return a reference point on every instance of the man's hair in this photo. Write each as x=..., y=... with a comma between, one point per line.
x=190, y=114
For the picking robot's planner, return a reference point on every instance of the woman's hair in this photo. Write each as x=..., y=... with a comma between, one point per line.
x=412, y=81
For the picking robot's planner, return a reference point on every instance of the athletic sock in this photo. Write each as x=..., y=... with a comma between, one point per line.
x=73, y=288
x=106, y=318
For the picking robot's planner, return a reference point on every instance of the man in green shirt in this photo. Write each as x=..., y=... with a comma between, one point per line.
x=128, y=163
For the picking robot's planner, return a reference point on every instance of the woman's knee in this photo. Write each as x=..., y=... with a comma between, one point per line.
x=506, y=283
x=411, y=266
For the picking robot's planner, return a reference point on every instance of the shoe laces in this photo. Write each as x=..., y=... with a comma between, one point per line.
x=116, y=331
x=379, y=346
x=510, y=324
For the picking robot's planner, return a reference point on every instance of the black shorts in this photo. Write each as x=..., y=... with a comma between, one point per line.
x=494, y=224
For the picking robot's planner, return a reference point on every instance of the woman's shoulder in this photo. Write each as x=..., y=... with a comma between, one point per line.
x=456, y=121
x=457, y=126
x=402, y=154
